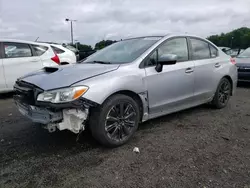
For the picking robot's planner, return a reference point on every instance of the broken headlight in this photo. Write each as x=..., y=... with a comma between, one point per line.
x=62, y=95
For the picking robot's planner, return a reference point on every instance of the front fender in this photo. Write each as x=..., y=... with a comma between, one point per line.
x=103, y=86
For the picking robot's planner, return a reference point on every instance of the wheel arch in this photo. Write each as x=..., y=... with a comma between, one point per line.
x=64, y=63
x=231, y=82
x=138, y=98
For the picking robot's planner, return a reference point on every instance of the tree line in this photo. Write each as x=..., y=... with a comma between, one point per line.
x=238, y=38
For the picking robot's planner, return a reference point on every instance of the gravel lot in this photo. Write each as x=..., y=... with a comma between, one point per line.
x=199, y=147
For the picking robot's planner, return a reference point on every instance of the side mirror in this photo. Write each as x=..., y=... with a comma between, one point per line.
x=168, y=59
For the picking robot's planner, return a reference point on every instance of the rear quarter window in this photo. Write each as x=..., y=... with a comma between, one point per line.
x=57, y=50
x=39, y=49
x=213, y=51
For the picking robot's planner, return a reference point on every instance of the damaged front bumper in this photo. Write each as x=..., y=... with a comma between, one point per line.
x=71, y=116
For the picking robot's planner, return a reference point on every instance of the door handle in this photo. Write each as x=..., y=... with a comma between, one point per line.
x=217, y=65
x=189, y=70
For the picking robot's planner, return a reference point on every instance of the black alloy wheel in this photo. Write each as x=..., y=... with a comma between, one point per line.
x=115, y=121
x=222, y=94
x=120, y=120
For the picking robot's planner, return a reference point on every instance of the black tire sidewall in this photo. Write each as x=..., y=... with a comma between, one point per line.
x=97, y=121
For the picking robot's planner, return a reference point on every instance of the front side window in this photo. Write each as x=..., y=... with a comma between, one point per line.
x=200, y=49
x=14, y=50
x=176, y=46
x=39, y=49
x=124, y=51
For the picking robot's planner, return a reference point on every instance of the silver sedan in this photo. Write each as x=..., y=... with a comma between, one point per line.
x=128, y=82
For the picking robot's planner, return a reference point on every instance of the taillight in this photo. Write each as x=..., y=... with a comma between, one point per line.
x=233, y=61
x=56, y=59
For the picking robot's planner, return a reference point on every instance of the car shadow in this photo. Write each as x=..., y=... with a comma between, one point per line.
x=8, y=95
x=176, y=115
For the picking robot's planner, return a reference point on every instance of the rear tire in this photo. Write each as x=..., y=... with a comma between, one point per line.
x=222, y=94
x=115, y=121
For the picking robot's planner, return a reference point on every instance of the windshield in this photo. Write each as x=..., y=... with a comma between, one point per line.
x=124, y=51
x=245, y=53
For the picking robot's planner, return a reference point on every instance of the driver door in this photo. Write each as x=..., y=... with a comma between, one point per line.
x=172, y=89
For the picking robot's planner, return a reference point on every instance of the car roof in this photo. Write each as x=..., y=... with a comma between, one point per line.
x=168, y=36
x=22, y=41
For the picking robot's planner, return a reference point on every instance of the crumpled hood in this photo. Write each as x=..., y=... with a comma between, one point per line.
x=66, y=75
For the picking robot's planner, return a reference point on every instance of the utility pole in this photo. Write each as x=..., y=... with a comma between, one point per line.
x=71, y=29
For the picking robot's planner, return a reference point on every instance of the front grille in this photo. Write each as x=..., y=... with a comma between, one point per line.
x=26, y=92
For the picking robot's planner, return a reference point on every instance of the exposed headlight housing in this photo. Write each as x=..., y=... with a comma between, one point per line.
x=62, y=95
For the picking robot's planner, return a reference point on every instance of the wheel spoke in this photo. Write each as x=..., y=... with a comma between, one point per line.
x=111, y=118
x=129, y=115
x=129, y=123
x=114, y=132
x=110, y=127
x=127, y=109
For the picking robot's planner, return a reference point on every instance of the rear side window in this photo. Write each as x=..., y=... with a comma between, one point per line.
x=200, y=49
x=14, y=50
x=57, y=50
x=39, y=49
x=213, y=51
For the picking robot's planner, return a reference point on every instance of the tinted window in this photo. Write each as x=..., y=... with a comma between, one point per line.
x=213, y=51
x=57, y=50
x=39, y=49
x=177, y=46
x=13, y=50
x=200, y=49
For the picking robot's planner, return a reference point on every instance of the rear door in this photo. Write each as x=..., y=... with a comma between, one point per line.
x=3, y=86
x=19, y=59
x=207, y=62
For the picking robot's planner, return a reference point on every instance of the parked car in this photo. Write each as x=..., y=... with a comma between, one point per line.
x=65, y=53
x=231, y=52
x=18, y=58
x=243, y=64
x=126, y=83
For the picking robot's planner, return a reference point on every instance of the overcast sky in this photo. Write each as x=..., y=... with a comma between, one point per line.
x=116, y=19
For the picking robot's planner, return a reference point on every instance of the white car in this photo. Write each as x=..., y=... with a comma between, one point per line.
x=18, y=58
x=65, y=55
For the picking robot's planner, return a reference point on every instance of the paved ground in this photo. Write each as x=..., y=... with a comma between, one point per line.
x=200, y=147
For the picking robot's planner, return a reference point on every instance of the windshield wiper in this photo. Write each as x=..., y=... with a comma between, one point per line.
x=102, y=62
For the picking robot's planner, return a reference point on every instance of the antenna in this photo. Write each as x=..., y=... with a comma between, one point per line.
x=36, y=39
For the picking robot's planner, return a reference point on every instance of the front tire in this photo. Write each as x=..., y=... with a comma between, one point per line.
x=115, y=121
x=222, y=94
